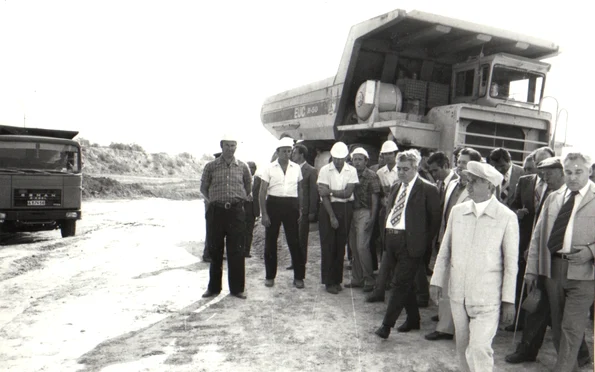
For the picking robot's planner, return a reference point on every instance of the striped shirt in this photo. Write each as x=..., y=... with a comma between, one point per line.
x=226, y=183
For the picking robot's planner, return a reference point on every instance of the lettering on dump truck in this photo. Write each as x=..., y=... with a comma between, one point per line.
x=299, y=112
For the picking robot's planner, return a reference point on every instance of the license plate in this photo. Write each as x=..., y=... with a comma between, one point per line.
x=35, y=202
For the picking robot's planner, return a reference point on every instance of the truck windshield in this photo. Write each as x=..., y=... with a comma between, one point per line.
x=518, y=85
x=39, y=156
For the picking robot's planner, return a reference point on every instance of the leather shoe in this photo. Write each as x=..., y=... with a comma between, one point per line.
x=240, y=295
x=510, y=328
x=290, y=267
x=339, y=287
x=332, y=289
x=408, y=326
x=206, y=259
x=375, y=298
x=298, y=283
x=269, y=282
x=583, y=360
x=368, y=288
x=383, y=331
x=434, y=336
x=435, y=318
x=208, y=293
x=352, y=285
x=519, y=357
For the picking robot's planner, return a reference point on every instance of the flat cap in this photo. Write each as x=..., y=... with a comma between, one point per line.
x=550, y=163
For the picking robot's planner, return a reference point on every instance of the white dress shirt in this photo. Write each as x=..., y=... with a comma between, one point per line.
x=335, y=180
x=401, y=224
x=479, y=208
x=282, y=184
x=387, y=177
x=567, y=245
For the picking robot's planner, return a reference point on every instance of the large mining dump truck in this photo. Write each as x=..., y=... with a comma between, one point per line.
x=425, y=81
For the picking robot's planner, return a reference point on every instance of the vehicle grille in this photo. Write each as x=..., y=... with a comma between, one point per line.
x=33, y=198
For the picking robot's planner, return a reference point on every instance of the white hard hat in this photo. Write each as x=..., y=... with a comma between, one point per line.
x=360, y=151
x=485, y=171
x=389, y=146
x=229, y=137
x=285, y=142
x=339, y=150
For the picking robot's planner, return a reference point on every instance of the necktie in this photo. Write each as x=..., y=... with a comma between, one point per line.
x=556, y=239
x=504, y=190
x=400, y=204
x=537, y=194
x=441, y=189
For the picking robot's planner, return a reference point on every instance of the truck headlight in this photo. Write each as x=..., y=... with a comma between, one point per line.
x=71, y=214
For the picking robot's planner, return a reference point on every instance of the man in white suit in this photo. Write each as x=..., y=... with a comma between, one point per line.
x=563, y=250
x=481, y=230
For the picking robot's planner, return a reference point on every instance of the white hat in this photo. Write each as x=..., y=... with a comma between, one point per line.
x=389, y=146
x=361, y=151
x=229, y=137
x=285, y=142
x=339, y=150
x=485, y=171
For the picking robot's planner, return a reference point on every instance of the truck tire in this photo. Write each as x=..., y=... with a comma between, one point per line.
x=68, y=228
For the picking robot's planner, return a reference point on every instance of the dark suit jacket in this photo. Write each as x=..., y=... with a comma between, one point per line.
x=524, y=197
x=252, y=207
x=310, y=192
x=515, y=174
x=422, y=215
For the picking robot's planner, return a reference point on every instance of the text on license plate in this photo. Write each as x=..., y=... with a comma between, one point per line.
x=35, y=202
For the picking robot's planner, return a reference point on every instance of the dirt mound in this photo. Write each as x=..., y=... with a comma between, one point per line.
x=104, y=187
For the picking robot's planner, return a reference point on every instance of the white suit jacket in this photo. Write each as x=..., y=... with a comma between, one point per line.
x=482, y=254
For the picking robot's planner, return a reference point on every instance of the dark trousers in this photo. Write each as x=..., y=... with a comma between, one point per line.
x=282, y=211
x=375, y=240
x=248, y=233
x=536, y=324
x=205, y=253
x=333, y=241
x=519, y=288
x=304, y=231
x=226, y=225
x=406, y=267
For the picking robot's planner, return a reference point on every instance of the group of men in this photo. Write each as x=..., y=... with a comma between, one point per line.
x=500, y=235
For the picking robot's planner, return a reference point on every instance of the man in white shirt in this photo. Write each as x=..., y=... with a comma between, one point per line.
x=563, y=249
x=281, y=203
x=480, y=247
x=336, y=182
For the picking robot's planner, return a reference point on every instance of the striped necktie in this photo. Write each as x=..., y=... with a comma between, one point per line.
x=504, y=190
x=400, y=204
x=556, y=240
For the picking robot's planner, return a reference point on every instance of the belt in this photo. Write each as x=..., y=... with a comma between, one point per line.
x=394, y=231
x=227, y=205
x=563, y=256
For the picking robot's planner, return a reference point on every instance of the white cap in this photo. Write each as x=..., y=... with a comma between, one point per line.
x=389, y=146
x=285, y=142
x=229, y=137
x=360, y=151
x=485, y=171
x=339, y=150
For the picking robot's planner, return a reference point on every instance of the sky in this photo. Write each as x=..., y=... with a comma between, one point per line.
x=173, y=76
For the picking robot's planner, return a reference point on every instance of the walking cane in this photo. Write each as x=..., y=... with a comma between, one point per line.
x=518, y=312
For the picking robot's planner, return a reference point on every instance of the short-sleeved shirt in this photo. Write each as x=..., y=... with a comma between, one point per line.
x=335, y=180
x=226, y=183
x=369, y=184
x=387, y=178
x=282, y=184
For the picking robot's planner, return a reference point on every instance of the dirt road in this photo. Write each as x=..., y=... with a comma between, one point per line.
x=124, y=295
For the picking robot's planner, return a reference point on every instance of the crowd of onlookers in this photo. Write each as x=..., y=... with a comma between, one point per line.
x=502, y=236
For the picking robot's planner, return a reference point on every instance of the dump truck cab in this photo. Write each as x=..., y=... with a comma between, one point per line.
x=425, y=81
x=40, y=180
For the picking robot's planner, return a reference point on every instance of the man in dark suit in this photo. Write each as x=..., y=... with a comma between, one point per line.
x=500, y=159
x=252, y=210
x=528, y=195
x=411, y=224
x=309, y=194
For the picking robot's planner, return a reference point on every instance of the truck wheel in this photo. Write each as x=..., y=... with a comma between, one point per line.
x=68, y=228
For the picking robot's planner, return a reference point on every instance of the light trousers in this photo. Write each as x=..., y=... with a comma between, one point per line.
x=359, y=241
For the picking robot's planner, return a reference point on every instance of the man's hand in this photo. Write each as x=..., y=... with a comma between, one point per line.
x=435, y=293
x=334, y=222
x=312, y=217
x=580, y=255
x=530, y=281
x=266, y=222
x=249, y=198
x=324, y=190
x=522, y=213
x=507, y=313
